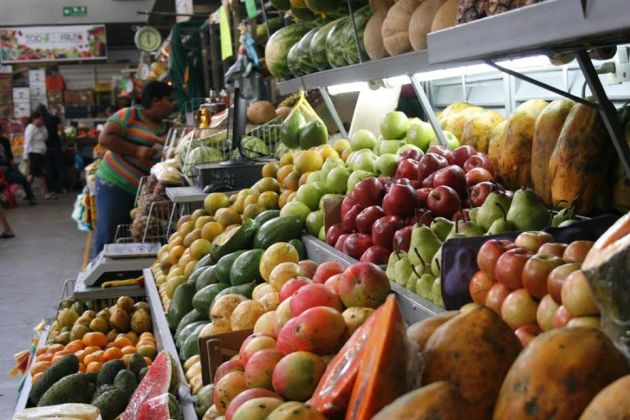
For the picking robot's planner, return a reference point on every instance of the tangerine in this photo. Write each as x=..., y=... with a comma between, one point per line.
x=122, y=341
x=128, y=350
x=44, y=357
x=93, y=367
x=95, y=339
x=112, y=353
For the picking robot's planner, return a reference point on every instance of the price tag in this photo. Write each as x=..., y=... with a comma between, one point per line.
x=226, y=34
x=250, y=5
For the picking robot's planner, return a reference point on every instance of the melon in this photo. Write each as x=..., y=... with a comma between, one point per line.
x=159, y=379
x=322, y=6
x=318, y=47
x=439, y=400
x=201, y=154
x=261, y=112
x=278, y=47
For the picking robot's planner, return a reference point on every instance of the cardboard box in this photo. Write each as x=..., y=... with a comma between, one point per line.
x=39, y=91
x=37, y=76
x=83, y=97
x=21, y=94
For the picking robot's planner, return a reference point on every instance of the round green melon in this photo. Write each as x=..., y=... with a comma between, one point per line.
x=278, y=46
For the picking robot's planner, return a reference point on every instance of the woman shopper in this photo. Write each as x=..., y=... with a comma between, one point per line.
x=35, y=137
x=134, y=138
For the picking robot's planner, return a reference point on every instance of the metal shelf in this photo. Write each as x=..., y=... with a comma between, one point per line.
x=548, y=27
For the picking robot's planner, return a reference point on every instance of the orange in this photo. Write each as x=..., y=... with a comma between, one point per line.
x=62, y=353
x=91, y=349
x=112, y=353
x=93, y=367
x=44, y=357
x=128, y=350
x=81, y=367
x=41, y=350
x=176, y=253
x=74, y=346
x=39, y=367
x=291, y=181
x=122, y=341
x=132, y=336
x=97, y=356
x=270, y=169
x=56, y=359
x=283, y=172
x=80, y=355
x=36, y=377
x=95, y=339
x=126, y=357
x=54, y=348
x=148, y=361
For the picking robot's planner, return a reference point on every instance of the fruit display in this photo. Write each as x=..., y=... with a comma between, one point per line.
x=153, y=210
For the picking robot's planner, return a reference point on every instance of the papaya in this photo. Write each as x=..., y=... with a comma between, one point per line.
x=496, y=145
x=332, y=395
x=558, y=374
x=382, y=375
x=516, y=160
x=446, y=116
x=233, y=240
x=611, y=403
x=546, y=133
x=439, y=400
x=421, y=331
x=474, y=350
x=581, y=159
x=478, y=129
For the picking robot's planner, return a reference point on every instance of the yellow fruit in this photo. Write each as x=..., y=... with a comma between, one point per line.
x=308, y=161
x=192, y=237
x=197, y=214
x=282, y=273
x=267, y=184
x=211, y=230
x=283, y=172
x=171, y=285
x=291, y=196
x=201, y=221
x=304, y=178
x=270, y=169
x=269, y=200
x=286, y=159
x=345, y=154
x=253, y=210
x=183, y=219
x=190, y=267
x=186, y=228
x=227, y=217
x=162, y=251
x=200, y=248
x=185, y=259
x=341, y=145
x=215, y=201
x=276, y=254
x=175, y=254
x=283, y=198
x=291, y=182
x=239, y=205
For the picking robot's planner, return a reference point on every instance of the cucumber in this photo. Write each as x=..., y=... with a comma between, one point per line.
x=203, y=298
x=266, y=216
x=245, y=268
x=224, y=265
x=281, y=229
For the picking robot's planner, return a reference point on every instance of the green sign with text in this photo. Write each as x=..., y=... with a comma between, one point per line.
x=74, y=11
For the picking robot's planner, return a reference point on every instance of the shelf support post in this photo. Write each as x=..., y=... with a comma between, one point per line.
x=333, y=111
x=606, y=110
x=428, y=109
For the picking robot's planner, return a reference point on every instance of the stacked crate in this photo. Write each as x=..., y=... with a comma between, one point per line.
x=37, y=88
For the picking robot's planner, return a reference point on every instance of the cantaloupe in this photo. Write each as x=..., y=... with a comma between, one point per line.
x=446, y=16
x=420, y=23
x=372, y=38
x=261, y=112
x=395, y=29
x=558, y=374
x=381, y=5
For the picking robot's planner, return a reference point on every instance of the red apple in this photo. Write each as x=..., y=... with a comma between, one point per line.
x=349, y=218
x=402, y=239
x=479, y=192
x=519, y=309
x=562, y=317
x=480, y=160
x=576, y=251
x=363, y=285
x=477, y=175
x=348, y=202
x=577, y=295
x=533, y=240
x=527, y=333
x=407, y=168
x=462, y=154
x=552, y=248
x=443, y=201
x=326, y=270
x=384, y=229
x=479, y=286
x=440, y=150
x=357, y=244
x=536, y=271
x=452, y=176
x=414, y=154
x=490, y=252
x=422, y=194
x=367, y=217
x=495, y=297
x=546, y=312
x=292, y=286
x=376, y=255
x=341, y=242
x=368, y=192
x=423, y=217
x=557, y=276
x=509, y=268
x=308, y=268
x=400, y=201
x=385, y=182
x=430, y=163
x=334, y=232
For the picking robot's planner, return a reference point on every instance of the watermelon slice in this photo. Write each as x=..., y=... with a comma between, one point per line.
x=162, y=407
x=156, y=382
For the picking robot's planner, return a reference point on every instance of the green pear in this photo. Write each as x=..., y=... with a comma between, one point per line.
x=436, y=263
x=561, y=216
x=500, y=226
x=394, y=257
x=472, y=214
x=411, y=283
x=402, y=271
x=493, y=208
x=527, y=212
x=441, y=227
x=423, y=246
x=470, y=229
x=425, y=285
x=436, y=292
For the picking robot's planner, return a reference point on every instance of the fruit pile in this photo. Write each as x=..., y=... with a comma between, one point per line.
x=535, y=283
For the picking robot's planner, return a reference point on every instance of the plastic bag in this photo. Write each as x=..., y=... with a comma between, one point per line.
x=63, y=411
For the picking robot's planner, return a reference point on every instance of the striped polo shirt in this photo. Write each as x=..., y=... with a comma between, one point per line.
x=125, y=171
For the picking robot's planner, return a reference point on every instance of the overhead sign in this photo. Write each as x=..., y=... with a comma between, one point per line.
x=53, y=43
x=75, y=11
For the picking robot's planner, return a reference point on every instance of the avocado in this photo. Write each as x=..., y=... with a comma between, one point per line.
x=205, y=261
x=180, y=305
x=186, y=331
x=192, y=316
x=241, y=238
x=245, y=268
x=222, y=268
x=75, y=388
x=191, y=345
x=244, y=289
x=108, y=372
x=102, y=389
x=68, y=365
x=299, y=245
x=111, y=403
x=266, y=216
x=136, y=363
x=206, y=277
x=192, y=279
x=203, y=298
x=280, y=229
x=126, y=381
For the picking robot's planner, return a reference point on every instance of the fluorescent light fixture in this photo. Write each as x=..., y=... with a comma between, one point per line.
x=347, y=88
x=518, y=64
x=397, y=81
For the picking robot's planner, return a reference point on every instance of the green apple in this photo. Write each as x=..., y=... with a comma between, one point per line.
x=329, y=197
x=295, y=208
x=328, y=165
x=357, y=176
x=451, y=141
x=394, y=125
x=337, y=180
x=363, y=139
x=386, y=164
x=322, y=234
x=314, y=222
x=421, y=134
x=341, y=145
x=390, y=146
x=314, y=177
x=365, y=162
x=310, y=195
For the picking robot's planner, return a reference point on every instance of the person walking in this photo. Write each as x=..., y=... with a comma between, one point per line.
x=11, y=171
x=35, y=137
x=55, y=167
x=134, y=138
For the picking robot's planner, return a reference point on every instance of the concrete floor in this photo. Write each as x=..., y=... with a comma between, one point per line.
x=47, y=250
